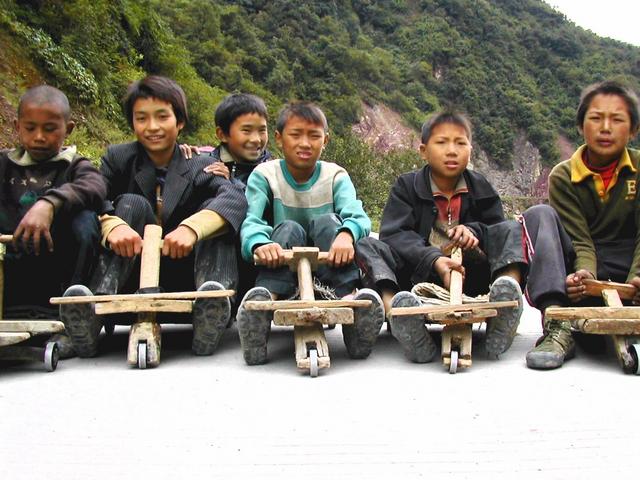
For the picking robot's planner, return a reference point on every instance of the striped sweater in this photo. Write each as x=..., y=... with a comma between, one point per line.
x=274, y=196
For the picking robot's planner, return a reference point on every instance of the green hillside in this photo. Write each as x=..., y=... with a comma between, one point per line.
x=510, y=64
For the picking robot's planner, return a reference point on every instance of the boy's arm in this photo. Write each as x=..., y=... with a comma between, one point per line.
x=563, y=199
x=398, y=230
x=85, y=189
x=226, y=199
x=256, y=230
x=347, y=205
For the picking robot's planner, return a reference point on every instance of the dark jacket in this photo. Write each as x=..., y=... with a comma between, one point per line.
x=239, y=171
x=70, y=187
x=188, y=189
x=410, y=213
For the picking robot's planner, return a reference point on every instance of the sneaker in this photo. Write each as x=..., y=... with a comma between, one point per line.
x=360, y=337
x=502, y=328
x=210, y=317
x=80, y=322
x=65, y=345
x=411, y=331
x=553, y=348
x=254, y=327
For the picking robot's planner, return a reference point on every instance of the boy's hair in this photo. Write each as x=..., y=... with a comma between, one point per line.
x=45, y=94
x=162, y=88
x=609, y=87
x=308, y=111
x=238, y=104
x=446, y=116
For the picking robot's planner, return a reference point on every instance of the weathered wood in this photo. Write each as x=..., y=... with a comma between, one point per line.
x=289, y=255
x=455, y=282
x=310, y=316
x=608, y=326
x=9, y=338
x=142, y=305
x=311, y=335
x=142, y=297
x=474, y=316
x=299, y=304
x=596, y=287
x=147, y=330
x=6, y=239
x=620, y=346
x=150, y=260
x=33, y=327
x=578, y=313
x=470, y=307
x=305, y=279
x=457, y=337
x=22, y=353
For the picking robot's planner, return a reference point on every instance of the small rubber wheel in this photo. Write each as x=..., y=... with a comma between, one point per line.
x=634, y=351
x=453, y=365
x=313, y=362
x=51, y=356
x=109, y=328
x=142, y=355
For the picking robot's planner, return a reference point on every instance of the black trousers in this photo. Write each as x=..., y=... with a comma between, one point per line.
x=212, y=259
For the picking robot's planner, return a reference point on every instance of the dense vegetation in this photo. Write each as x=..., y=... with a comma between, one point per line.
x=512, y=64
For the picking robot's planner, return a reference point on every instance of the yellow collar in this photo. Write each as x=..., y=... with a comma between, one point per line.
x=580, y=172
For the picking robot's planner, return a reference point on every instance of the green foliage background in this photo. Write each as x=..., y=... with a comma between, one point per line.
x=511, y=64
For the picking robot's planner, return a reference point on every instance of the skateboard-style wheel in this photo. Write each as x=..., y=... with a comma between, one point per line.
x=51, y=356
x=313, y=362
x=453, y=364
x=142, y=355
x=109, y=328
x=634, y=351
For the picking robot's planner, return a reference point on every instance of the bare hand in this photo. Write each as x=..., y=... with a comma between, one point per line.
x=269, y=255
x=463, y=237
x=179, y=243
x=341, y=252
x=189, y=150
x=219, y=169
x=443, y=267
x=34, y=225
x=635, y=281
x=125, y=241
x=575, y=285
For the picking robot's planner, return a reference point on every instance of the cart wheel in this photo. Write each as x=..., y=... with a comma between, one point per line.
x=142, y=355
x=453, y=365
x=331, y=327
x=313, y=362
x=109, y=328
x=51, y=356
x=634, y=351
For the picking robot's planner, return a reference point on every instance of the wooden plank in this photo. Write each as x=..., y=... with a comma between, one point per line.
x=299, y=304
x=22, y=353
x=474, y=316
x=142, y=296
x=150, y=260
x=9, y=338
x=314, y=334
x=6, y=239
x=455, y=282
x=579, y=313
x=305, y=279
x=608, y=326
x=289, y=255
x=596, y=287
x=310, y=316
x=626, y=361
x=457, y=337
x=143, y=305
x=427, y=309
x=33, y=327
x=145, y=330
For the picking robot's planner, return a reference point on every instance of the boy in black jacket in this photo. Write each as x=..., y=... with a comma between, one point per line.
x=149, y=181
x=49, y=196
x=441, y=204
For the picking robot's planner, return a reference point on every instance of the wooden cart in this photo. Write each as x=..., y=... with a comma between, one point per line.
x=308, y=315
x=145, y=334
x=13, y=332
x=457, y=319
x=620, y=322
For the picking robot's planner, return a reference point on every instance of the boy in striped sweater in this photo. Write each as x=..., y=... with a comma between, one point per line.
x=303, y=201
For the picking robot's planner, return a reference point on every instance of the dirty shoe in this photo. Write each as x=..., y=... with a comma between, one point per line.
x=210, y=317
x=360, y=337
x=502, y=328
x=553, y=348
x=411, y=331
x=65, y=345
x=254, y=327
x=81, y=323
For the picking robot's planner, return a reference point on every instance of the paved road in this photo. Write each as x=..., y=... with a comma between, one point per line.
x=380, y=418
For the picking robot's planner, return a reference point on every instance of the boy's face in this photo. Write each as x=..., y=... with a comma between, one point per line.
x=606, y=128
x=155, y=125
x=42, y=129
x=302, y=143
x=447, y=151
x=247, y=137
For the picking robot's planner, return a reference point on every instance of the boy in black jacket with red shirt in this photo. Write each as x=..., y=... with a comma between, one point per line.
x=441, y=204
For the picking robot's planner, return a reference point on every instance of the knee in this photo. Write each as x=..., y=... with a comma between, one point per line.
x=322, y=222
x=541, y=214
x=290, y=233
x=132, y=205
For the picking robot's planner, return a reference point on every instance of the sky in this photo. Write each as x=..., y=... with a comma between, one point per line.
x=619, y=19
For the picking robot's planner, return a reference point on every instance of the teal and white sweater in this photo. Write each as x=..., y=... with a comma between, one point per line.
x=274, y=196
